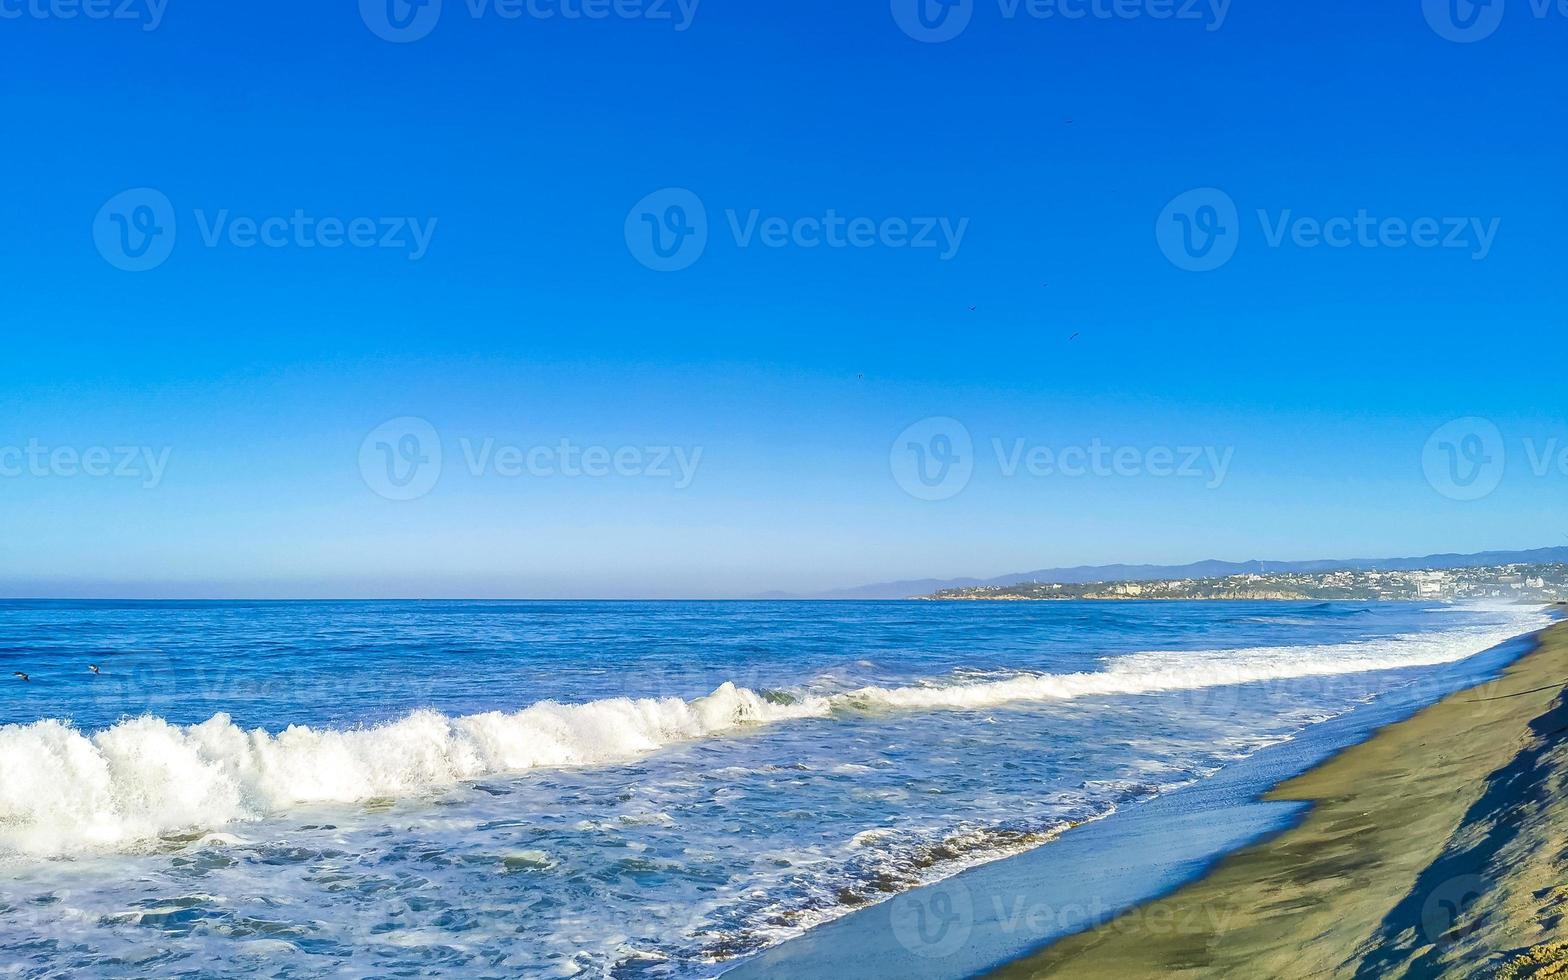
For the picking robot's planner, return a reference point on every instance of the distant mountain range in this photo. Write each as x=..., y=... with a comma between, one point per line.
x=1199, y=569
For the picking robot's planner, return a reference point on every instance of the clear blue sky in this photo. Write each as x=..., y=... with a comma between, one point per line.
x=528, y=319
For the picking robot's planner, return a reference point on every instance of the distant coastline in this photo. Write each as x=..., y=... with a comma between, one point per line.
x=1209, y=569
x=1510, y=582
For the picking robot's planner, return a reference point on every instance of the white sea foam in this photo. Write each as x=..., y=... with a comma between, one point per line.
x=64, y=791
x=1154, y=673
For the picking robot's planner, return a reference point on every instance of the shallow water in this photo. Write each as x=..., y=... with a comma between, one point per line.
x=716, y=777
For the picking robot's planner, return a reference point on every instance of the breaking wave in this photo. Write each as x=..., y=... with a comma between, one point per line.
x=63, y=791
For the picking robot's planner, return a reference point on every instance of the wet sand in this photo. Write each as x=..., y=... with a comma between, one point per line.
x=1438, y=848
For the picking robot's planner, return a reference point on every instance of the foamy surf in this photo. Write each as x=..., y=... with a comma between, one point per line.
x=63, y=791
x=1155, y=673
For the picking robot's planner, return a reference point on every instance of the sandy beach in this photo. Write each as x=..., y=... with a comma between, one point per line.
x=1435, y=849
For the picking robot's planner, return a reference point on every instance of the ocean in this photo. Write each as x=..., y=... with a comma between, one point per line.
x=609, y=789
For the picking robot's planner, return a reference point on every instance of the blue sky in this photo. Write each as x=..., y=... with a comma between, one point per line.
x=250, y=384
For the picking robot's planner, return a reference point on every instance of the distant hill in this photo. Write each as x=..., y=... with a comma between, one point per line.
x=1199, y=569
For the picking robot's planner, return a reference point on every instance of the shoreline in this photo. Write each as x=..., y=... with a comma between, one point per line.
x=1436, y=848
x=1016, y=913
